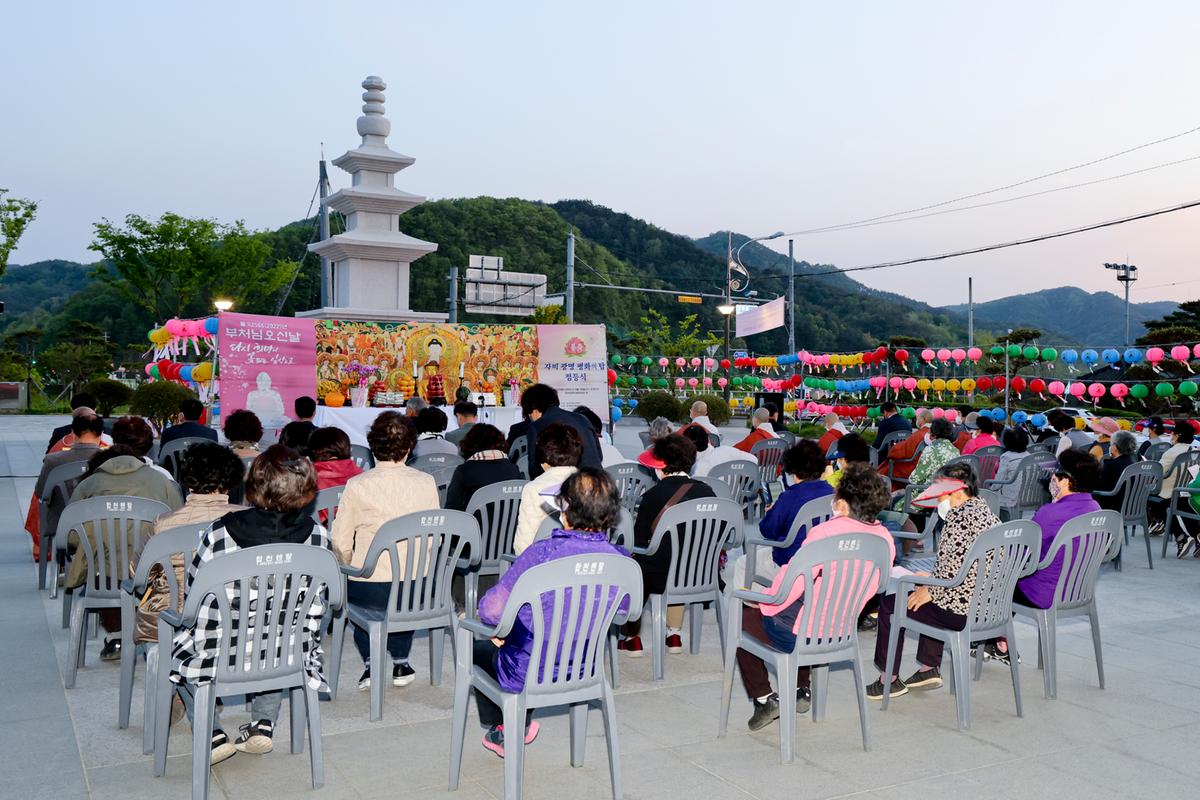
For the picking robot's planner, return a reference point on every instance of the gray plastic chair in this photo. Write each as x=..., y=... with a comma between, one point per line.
x=892, y=462
x=789, y=438
x=989, y=461
x=1030, y=477
x=811, y=514
x=1182, y=478
x=714, y=439
x=56, y=494
x=434, y=462
x=999, y=556
x=572, y=601
x=118, y=525
x=160, y=549
x=1082, y=543
x=170, y=455
x=523, y=466
x=644, y=437
x=741, y=477
x=863, y=561
x=881, y=448
x=769, y=454
x=1155, y=451
x=424, y=549
x=717, y=485
x=1137, y=482
x=495, y=509
x=238, y=672
x=1045, y=446
x=697, y=531
x=992, y=499
x=362, y=456
x=441, y=480
x=972, y=461
x=632, y=482
x=327, y=501
x=519, y=449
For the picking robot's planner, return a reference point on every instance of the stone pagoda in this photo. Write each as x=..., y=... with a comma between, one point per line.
x=370, y=262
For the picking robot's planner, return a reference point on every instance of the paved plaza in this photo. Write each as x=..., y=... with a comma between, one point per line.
x=1137, y=738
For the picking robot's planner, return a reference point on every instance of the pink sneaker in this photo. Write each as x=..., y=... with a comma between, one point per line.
x=494, y=739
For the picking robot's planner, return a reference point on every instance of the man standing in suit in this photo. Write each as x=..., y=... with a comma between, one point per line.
x=539, y=404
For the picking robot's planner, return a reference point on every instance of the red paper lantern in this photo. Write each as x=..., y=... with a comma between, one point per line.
x=725, y=364
x=612, y=377
x=999, y=382
x=984, y=384
x=1018, y=384
x=1037, y=385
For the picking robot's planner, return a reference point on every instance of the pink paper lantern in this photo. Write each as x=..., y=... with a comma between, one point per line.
x=175, y=327
x=1096, y=391
x=951, y=415
x=662, y=362
x=811, y=406
x=1196, y=350
x=722, y=382
x=974, y=353
x=1153, y=355
x=679, y=383
x=928, y=355
x=710, y=364
x=910, y=384
x=708, y=381
x=680, y=362
x=1181, y=352
x=943, y=355
x=1077, y=389
x=1056, y=388
x=695, y=362
x=939, y=413
x=921, y=410
x=1119, y=391
x=958, y=354
x=693, y=383
x=896, y=383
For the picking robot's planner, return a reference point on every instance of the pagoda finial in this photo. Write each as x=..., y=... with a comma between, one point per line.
x=373, y=123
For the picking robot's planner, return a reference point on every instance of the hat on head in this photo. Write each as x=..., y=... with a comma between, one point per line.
x=937, y=490
x=648, y=459
x=972, y=420
x=1106, y=426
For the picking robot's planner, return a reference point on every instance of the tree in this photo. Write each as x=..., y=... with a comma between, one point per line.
x=1171, y=334
x=1187, y=315
x=73, y=363
x=15, y=215
x=548, y=315
x=109, y=394
x=905, y=341
x=173, y=266
x=25, y=342
x=159, y=401
x=1023, y=335
x=655, y=337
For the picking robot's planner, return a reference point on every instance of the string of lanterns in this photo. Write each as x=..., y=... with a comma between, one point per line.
x=171, y=341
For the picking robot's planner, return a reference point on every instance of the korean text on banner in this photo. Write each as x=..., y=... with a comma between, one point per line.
x=573, y=359
x=764, y=318
x=266, y=363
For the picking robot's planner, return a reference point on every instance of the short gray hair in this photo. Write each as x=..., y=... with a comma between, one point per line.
x=1124, y=442
x=760, y=416
x=415, y=405
x=660, y=428
x=923, y=416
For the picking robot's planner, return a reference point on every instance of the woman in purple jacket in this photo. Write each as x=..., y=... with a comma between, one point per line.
x=1071, y=488
x=590, y=504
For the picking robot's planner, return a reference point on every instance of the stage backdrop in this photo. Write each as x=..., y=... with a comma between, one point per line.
x=266, y=363
x=573, y=359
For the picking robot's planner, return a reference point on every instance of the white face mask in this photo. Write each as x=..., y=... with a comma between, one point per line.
x=1055, y=488
x=943, y=507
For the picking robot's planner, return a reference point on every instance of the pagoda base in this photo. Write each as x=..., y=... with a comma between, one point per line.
x=373, y=315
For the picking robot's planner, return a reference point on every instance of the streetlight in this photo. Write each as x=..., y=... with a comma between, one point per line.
x=1126, y=277
x=223, y=305
x=726, y=310
x=734, y=262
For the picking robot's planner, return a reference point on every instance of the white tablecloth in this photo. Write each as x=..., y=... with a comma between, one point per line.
x=356, y=421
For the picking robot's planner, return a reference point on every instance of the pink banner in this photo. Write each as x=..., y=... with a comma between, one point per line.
x=266, y=363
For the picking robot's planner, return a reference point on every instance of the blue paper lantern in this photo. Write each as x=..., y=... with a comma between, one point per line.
x=185, y=373
x=1038, y=420
x=1090, y=356
x=210, y=325
x=616, y=413
x=1111, y=356
x=633, y=403
x=1019, y=417
x=618, y=402
x=1070, y=356
x=1133, y=356
x=998, y=414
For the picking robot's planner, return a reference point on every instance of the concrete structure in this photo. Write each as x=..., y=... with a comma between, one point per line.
x=370, y=262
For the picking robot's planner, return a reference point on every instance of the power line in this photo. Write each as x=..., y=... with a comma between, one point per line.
x=1164, y=285
x=1014, y=185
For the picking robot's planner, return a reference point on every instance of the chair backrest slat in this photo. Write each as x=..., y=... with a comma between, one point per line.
x=698, y=531
x=1138, y=481
x=742, y=478
x=998, y=557
x=632, y=482
x=810, y=515
x=989, y=461
x=1082, y=543
x=495, y=510
x=109, y=530
x=769, y=454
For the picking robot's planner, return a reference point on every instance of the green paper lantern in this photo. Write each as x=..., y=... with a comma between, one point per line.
x=1031, y=353
x=810, y=382
x=873, y=412
x=662, y=383
x=647, y=381
x=1140, y=391
x=645, y=361
x=1188, y=388
x=1014, y=350
x=997, y=350
x=154, y=373
x=1164, y=389
x=908, y=412
x=737, y=381
x=631, y=360
x=1049, y=354
x=616, y=361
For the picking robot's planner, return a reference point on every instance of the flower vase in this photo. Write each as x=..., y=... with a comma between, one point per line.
x=359, y=396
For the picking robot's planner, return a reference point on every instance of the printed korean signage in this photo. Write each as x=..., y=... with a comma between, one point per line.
x=266, y=363
x=574, y=360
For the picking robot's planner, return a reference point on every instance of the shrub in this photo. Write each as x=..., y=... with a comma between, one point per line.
x=109, y=394
x=718, y=409
x=159, y=401
x=659, y=404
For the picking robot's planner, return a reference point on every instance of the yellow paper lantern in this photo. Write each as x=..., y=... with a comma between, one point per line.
x=1123, y=424
x=202, y=372
x=953, y=385
x=939, y=385
x=1080, y=424
x=968, y=384
x=160, y=336
x=923, y=384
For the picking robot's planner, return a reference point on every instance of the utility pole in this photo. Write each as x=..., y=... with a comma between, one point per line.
x=1126, y=277
x=727, y=309
x=1007, y=377
x=569, y=296
x=970, y=312
x=791, y=302
x=452, y=296
x=323, y=178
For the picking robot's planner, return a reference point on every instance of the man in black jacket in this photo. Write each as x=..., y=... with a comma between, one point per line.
x=189, y=426
x=891, y=421
x=539, y=404
x=82, y=400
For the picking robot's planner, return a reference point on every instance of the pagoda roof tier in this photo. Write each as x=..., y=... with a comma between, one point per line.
x=379, y=200
x=383, y=246
x=373, y=158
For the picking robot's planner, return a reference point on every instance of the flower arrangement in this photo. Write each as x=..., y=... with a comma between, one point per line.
x=359, y=373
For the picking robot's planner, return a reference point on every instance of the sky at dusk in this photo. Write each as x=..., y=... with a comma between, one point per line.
x=696, y=116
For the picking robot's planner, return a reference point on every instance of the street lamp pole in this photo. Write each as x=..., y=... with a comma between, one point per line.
x=791, y=302
x=1126, y=277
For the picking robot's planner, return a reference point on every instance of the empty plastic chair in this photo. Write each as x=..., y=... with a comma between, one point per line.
x=856, y=566
x=423, y=549
x=742, y=478
x=999, y=556
x=696, y=531
x=263, y=579
x=1081, y=544
x=570, y=600
x=769, y=454
x=811, y=514
x=362, y=456
x=632, y=482
x=56, y=493
x=107, y=532
x=1137, y=482
x=495, y=508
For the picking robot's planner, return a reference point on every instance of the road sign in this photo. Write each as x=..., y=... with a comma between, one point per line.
x=690, y=298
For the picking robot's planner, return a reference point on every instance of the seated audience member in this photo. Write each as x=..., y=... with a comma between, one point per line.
x=900, y=455
x=939, y=450
x=804, y=461
x=280, y=485
x=658, y=428
x=486, y=463
x=431, y=429
x=540, y=404
x=388, y=491
x=852, y=449
x=1122, y=452
x=774, y=418
x=699, y=416
x=708, y=456
x=68, y=439
x=1154, y=430
x=861, y=495
x=966, y=430
x=672, y=459
x=760, y=430
x=86, y=429
x=244, y=431
x=590, y=504
x=83, y=403
x=557, y=452
x=1071, y=488
x=296, y=436
x=1016, y=443
x=329, y=450
x=985, y=436
x=414, y=406
x=466, y=414
x=955, y=494
x=891, y=421
x=188, y=425
x=609, y=455
x=209, y=472
x=517, y=431
x=1071, y=436
x=1104, y=428
x=834, y=430
x=1181, y=442
x=305, y=408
